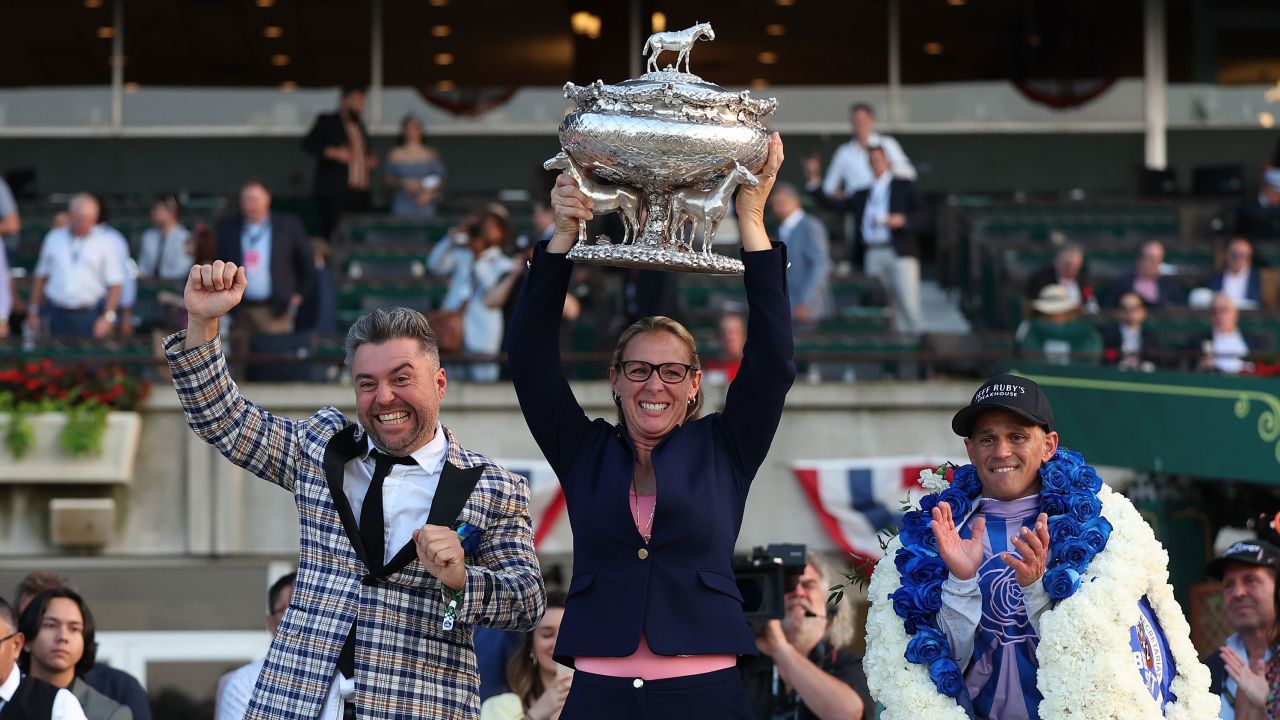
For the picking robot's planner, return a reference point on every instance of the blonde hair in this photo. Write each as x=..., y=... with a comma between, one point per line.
x=843, y=625
x=658, y=323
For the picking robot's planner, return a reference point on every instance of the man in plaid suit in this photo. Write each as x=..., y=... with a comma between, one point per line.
x=381, y=617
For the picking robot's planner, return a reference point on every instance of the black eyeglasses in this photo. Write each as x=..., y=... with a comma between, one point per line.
x=670, y=373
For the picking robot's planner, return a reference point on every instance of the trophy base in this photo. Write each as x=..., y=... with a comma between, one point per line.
x=652, y=257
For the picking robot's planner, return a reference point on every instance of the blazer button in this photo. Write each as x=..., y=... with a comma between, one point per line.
x=643, y=553
x=637, y=683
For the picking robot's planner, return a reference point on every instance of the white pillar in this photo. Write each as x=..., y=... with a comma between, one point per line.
x=1154, y=82
x=117, y=66
x=375, y=65
x=893, y=113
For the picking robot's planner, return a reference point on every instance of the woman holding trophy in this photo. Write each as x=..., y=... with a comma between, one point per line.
x=653, y=621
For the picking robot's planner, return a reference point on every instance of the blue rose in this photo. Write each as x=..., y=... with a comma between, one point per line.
x=928, y=596
x=1061, y=527
x=1053, y=478
x=928, y=503
x=1053, y=504
x=1061, y=582
x=927, y=645
x=913, y=618
x=1075, y=553
x=945, y=674
x=1084, y=506
x=958, y=501
x=916, y=522
x=924, y=569
x=1084, y=478
x=1095, y=533
x=965, y=479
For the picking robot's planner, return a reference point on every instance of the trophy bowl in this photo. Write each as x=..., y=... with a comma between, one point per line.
x=666, y=151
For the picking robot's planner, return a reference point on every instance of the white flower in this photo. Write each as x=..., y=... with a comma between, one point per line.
x=932, y=481
x=1086, y=667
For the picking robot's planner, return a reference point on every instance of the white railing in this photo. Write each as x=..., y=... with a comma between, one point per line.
x=133, y=652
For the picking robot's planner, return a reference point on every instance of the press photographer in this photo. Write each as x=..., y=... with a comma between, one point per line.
x=804, y=670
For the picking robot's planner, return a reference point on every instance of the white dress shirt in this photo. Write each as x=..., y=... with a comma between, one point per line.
x=79, y=270
x=234, y=697
x=166, y=254
x=65, y=705
x=407, y=492
x=785, y=228
x=1236, y=287
x=1229, y=351
x=851, y=170
x=874, y=230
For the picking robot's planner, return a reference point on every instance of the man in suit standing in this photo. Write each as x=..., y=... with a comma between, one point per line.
x=344, y=162
x=1238, y=279
x=277, y=260
x=408, y=539
x=808, y=281
x=887, y=217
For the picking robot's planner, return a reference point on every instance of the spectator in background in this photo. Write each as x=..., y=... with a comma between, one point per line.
x=28, y=698
x=1055, y=333
x=808, y=280
x=1259, y=218
x=505, y=294
x=167, y=252
x=1066, y=271
x=733, y=338
x=1146, y=280
x=129, y=288
x=10, y=225
x=277, y=260
x=415, y=171
x=79, y=274
x=887, y=217
x=1238, y=279
x=805, y=670
x=1224, y=347
x=115, y=684
x=344, y=162
x=235, y=689
x=474, y=261
x=319, y=309
x=1127, y=341
x=538, y=684
x=1248, y=573
x=849, y=171
x=62, y=649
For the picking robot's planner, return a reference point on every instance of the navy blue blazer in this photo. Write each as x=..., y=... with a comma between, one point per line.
x=682, y=595
x=1253, y=288
x=904, y=197
x=292, y=264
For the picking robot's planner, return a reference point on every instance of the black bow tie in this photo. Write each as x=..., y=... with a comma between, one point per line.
x=382, y=458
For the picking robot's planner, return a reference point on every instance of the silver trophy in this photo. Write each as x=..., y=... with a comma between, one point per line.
x=665, y=151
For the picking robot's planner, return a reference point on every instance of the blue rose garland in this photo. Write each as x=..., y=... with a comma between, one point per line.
x=1077, y=532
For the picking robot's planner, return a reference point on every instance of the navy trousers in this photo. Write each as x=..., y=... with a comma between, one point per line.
x=717, y=695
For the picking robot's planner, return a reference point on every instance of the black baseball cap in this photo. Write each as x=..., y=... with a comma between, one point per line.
x=1016, y=394
x=1249, y=552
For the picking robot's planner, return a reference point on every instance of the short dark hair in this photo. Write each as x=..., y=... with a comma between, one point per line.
x=252, y=182
x=33, y=617
x=277, y=587
x=862, y=106
x=346, y=90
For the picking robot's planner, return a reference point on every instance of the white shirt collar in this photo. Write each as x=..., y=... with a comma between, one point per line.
x=430, y=457
x=885, y=178
x=10, y=685
x=792, y=220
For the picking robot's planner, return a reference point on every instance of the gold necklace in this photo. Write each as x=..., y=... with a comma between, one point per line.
x=635, y=512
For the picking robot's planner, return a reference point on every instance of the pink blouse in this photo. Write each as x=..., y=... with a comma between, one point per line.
x=644, y=663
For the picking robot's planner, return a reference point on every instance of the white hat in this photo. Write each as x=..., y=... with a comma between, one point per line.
x=1053, y=300
x=1200, y=298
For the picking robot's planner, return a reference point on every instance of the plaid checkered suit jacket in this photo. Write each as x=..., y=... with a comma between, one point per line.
x=407, y=665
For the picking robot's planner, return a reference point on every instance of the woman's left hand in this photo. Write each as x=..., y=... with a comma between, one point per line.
x=752, y=200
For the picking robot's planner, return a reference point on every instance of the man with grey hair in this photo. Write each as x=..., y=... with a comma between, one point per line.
x=408, y=539
x=79, y=274
x=805, y=671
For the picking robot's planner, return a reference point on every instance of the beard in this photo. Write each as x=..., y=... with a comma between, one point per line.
x=421, y=432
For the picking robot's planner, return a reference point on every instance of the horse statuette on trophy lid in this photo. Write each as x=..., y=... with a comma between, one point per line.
x=666, y=151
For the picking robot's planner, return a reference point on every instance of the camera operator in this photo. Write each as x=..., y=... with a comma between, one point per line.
x=804, y=671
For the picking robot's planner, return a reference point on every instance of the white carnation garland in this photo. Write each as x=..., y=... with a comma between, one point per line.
x=1087, y=670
